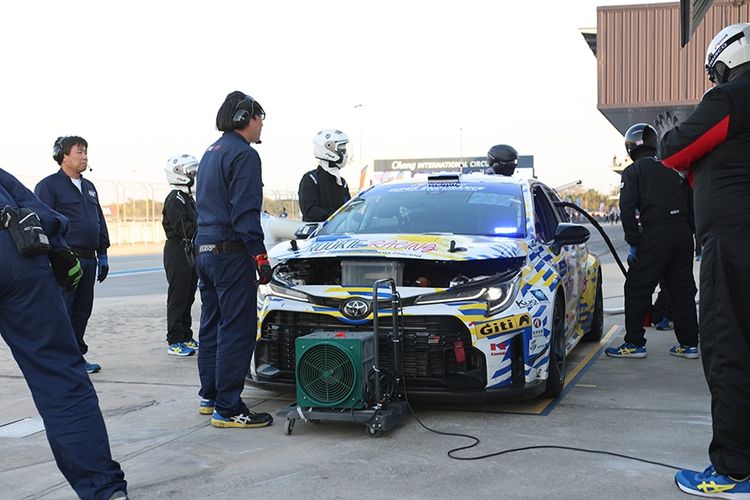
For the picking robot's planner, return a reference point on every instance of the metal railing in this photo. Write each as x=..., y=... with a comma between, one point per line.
x=133, y=210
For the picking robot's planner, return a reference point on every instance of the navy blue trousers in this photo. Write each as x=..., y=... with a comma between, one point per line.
x=35, y=325
x=228, y=328
x=80, y=301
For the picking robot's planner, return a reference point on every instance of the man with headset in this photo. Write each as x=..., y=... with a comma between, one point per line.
x=76, y=198
x=230, y=249
x=34, y=323
x=322, y=191
x=502, y=160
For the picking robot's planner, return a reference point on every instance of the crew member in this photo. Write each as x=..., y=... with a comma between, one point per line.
x=662, y=247
x=712, y=149
x=230, y=250
x=322, y=191
x=179, y=222
x=34, y=323
x=76, y=198
x=502, y=160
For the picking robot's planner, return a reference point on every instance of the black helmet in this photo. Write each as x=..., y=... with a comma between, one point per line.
x=640, y=135
x=502, y=159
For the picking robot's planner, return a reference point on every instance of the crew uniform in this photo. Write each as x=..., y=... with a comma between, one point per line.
x=320, y=194
x=179, y=219
x=664, y=247
x=229, y=197
x=34, y=323
x=88, y=238
x=712, y=146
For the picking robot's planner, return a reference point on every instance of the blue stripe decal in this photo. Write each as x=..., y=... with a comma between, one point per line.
x=142, y=270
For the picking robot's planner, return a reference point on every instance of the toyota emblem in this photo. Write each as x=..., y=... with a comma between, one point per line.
x=355, y=309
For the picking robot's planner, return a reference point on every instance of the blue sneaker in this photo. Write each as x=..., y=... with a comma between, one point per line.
x=193, y=344
x=206, y=406
x=245, y=420
x=710, y=483
x=179, y=349
x=684, y=351
x=665, y=324
x=626, y=350
x=92, y=367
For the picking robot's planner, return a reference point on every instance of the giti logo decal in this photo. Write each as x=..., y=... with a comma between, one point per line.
x=498, y=348
x=504, y=325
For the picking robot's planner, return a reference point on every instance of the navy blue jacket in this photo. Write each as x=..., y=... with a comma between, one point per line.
x=229, y=194
x=16, y=195
x=88, y=229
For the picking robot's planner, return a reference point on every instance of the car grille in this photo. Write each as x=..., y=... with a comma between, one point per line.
x=429, y=358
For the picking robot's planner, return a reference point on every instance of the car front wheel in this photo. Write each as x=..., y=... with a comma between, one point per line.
x=557, y=367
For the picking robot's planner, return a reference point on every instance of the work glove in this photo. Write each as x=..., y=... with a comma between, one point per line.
x=664, y=123
x=263, y=267
x=65, y=267
x=632, y=256
x=102, y=268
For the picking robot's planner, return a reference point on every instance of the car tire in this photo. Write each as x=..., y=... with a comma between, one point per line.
x=597, y=322
x=557, y=366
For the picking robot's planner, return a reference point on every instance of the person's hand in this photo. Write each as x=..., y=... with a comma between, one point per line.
x=263, y=267
x=632, y=256
x=102, y=268
x=664, y=123
x=66, y=268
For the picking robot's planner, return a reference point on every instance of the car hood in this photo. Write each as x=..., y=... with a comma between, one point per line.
x=405, y=246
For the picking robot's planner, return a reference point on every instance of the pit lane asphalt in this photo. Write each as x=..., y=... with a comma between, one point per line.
x=655, y=408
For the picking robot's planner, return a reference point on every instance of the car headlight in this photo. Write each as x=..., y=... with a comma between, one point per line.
x=274, y=290
x=497, y=295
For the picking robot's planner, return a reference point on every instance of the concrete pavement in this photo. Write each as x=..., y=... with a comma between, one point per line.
x=655, y=408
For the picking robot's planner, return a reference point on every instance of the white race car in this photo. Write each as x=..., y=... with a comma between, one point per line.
x=495, y=286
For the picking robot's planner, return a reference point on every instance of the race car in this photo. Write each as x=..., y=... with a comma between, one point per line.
x=494, y=287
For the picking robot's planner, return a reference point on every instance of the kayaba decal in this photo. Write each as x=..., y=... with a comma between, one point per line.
x=505, y=325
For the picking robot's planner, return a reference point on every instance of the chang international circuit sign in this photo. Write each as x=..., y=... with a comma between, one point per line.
x=434, y=165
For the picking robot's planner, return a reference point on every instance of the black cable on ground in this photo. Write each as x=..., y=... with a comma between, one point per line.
x=599, y=228
x=451, y=452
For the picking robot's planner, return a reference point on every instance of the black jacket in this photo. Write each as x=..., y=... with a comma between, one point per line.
x=179, y=217
x=320, y=195
x=712, y=146
x=659, y=195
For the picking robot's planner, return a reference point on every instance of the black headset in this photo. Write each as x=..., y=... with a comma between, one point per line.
x=57, y=149
x=243, y=112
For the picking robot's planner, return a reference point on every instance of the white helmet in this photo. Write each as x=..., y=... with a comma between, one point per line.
x=729, y=49
x=181, y=170
x=331, y=145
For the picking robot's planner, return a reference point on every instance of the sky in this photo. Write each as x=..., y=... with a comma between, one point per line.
x=142, y=81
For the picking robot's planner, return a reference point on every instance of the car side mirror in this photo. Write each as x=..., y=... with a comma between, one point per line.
x=571, y=234
x=304, y=232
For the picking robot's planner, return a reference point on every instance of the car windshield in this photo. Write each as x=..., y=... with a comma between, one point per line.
x=489, y=209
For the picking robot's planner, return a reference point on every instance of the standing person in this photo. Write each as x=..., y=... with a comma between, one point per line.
x=712, y=149
x=230, y=250
x=662, y=249
x=283, y=214
x=502, y=160
x=76, y=198
x=34, y=323
x=322, y=191
x=179, y=221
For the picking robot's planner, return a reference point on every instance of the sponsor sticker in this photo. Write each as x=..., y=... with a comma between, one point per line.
x=539, y=295
x=538, y=342
x=504, y=325
x=498, y=348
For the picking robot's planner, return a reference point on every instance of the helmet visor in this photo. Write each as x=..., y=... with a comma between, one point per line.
x=191, y=170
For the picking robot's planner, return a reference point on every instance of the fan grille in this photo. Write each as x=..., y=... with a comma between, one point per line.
x=326, y=373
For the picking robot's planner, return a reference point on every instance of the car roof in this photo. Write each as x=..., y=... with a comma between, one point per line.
x=474, y=178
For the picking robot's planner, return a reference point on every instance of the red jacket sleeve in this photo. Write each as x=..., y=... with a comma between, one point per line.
x=709, y=125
